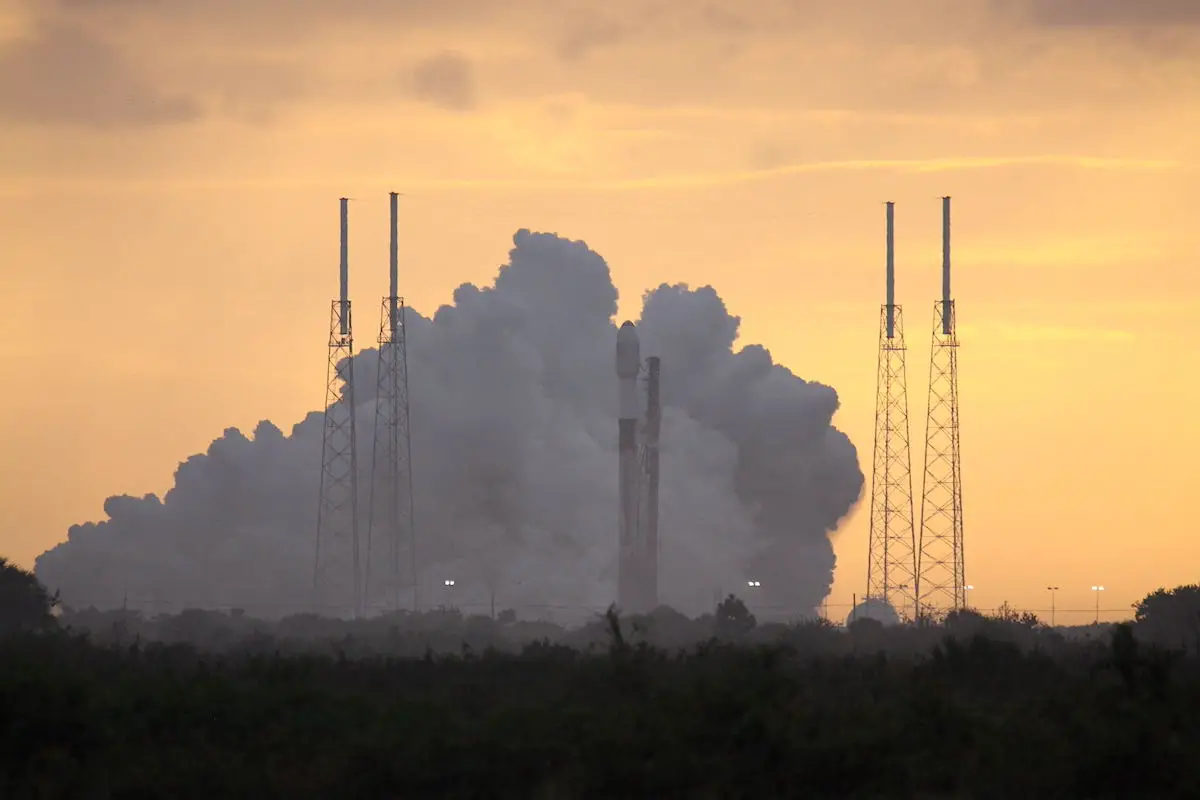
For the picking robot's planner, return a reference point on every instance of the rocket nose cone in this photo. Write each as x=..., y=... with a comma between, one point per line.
x=629, y=358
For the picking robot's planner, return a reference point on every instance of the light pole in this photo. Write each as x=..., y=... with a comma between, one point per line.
x=966, y=589
x=514, y=583
x=1097, y=590
x=753, y=586
x=449, y=584
x=1051, y=590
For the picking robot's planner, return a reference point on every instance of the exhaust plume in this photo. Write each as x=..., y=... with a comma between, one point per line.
x=513, y=466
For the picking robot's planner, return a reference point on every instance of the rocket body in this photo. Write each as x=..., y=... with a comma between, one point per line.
x=628, y=366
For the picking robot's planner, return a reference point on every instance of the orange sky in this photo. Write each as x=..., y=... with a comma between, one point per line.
x=168, y=240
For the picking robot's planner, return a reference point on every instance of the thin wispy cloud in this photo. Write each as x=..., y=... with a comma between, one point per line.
x=1032, y=332
x=827, y=115
x=1064, y=251
x=649, y=182
x=947, y=164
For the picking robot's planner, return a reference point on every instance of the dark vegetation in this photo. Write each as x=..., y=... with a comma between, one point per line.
x=209, y=704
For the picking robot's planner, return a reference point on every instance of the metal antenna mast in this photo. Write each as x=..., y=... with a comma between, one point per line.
x=336, y=572
x=390, y=521
x=940, y=558
x=892, y=560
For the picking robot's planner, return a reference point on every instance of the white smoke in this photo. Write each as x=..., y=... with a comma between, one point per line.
x=513, y=407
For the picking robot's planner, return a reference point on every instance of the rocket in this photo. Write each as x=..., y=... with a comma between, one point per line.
x=629, y=364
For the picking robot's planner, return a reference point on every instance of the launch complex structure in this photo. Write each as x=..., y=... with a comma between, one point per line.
x=363, y=576
x=915, y=563
x=346, y=574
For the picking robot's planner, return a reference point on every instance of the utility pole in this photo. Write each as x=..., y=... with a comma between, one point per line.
x=1097, y=590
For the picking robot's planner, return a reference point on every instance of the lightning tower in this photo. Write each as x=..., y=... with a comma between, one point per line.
x=391, y=534
x=336, y=572
x=892, y=558
x=942, y=579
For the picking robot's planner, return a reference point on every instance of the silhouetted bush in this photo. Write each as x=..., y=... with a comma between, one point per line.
x=1171, y=618
x=25, y=605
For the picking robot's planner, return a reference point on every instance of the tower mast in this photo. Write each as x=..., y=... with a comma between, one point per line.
x=891, y=563
x=940, y=557
x=391, y=533
x=336, y=573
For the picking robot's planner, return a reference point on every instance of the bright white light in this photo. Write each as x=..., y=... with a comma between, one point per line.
x=968, y=586
x=1097, y=588
x=449, y=583
x=754, y=584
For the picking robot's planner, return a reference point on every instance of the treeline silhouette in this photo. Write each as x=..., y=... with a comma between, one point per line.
x=211, y=704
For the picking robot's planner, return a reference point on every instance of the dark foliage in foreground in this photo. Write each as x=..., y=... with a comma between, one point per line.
x=975, y=718
x=205, y=704
x=25, y=605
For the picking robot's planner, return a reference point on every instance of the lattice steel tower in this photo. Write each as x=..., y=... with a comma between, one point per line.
x=892, y=561
x=942, y=581
x=391, y=532
x=336, y=573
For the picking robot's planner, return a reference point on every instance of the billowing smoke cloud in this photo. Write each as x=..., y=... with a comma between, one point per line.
x=513, y=405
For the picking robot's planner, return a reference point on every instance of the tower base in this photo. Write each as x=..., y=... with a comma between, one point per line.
x=390, y=581
x=891, y=564
x=336, y=576
x=942, y=572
